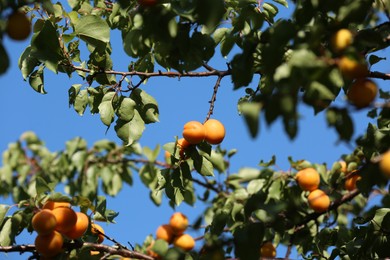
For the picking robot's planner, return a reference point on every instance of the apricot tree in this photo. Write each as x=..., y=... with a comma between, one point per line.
x=323, y=50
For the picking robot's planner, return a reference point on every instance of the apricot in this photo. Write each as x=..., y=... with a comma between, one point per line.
x=318, y=200
x=49, y=245
x=362, y=92
x=98, y=231
x=165, y=232
x=308, y=179
x=183, y=145
x=341, y=40
x=79, y=228
x=352, y=69
x=268, y=250
x=184, y=241
x=66, y=219
x=384, y=164
x=18, y=26
x=350, y=183
x=55, y=204
x=194, y=132
x=44, y=222
x=178, y=223
x=215, y=131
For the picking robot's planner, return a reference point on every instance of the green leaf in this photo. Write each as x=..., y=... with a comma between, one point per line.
x=46, y=46
x=92, y=28
x=242, y=69
x=106, y=112
x=36, y=81
x=131, y=131
x=3, y=211
x=201, y=164
x=146, y=105
x=27, y=62
x=41, y=186
x=73, y=92
x=270, y=11
x=251, y=113
x=6, y=237
x=126, y=109
x=373, y=59
x=81, y=102
x=160, y=247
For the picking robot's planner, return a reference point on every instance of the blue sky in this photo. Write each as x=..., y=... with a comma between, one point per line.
x=22, y=109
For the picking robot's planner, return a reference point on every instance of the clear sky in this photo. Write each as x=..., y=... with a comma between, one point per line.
x=22, y=109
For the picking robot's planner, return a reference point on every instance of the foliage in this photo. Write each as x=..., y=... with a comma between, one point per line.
x=292, y=61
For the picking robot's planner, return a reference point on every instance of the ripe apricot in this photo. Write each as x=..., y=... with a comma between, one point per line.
x=194, y=132
x=350, y=183
x=341, y=40
x=384, y=164
x=184, y=241
x=183, y=145
x=352, y=69
x=268, y=250
x=55, y=204
x=178, y=223
x=165, y=232
x=98, y=231
x=44, y=222
x=66, y=219
x=79, y=228
x=308, y=179
x=18, y=26
x=49, y=245
x=215, y=131
x=362, y=92
x=318, y=200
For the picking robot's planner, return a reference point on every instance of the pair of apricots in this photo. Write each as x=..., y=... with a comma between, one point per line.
x=362, y=91
x=173, y=233
x=56, y=220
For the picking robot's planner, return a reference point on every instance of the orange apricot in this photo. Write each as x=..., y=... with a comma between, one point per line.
x=308, y=179
x=194, y=132
x=184, y=241
x=384, y=164
x=350, y=183
x=79, y=228
x=165, y=232
x=362, y=92
x=318, y=200
x=343, y=165
x=215, y=131
x=268, y=250
x=98, y=231
x=18, y=26
x=66, y=219
x=44, y=222
x=341, y=40
x=49, y=245
x=55, y=204
x=352, y=69
x=178, y=223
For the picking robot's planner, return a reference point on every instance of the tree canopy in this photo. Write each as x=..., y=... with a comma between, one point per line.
x=317, y=53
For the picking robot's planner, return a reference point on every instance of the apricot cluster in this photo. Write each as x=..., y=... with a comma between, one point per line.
x=53, y=222
x=309, y=180
x=362, y=91
x=173, y=232
x=194, y=132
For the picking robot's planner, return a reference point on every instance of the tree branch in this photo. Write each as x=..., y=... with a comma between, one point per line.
x=379, y=75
